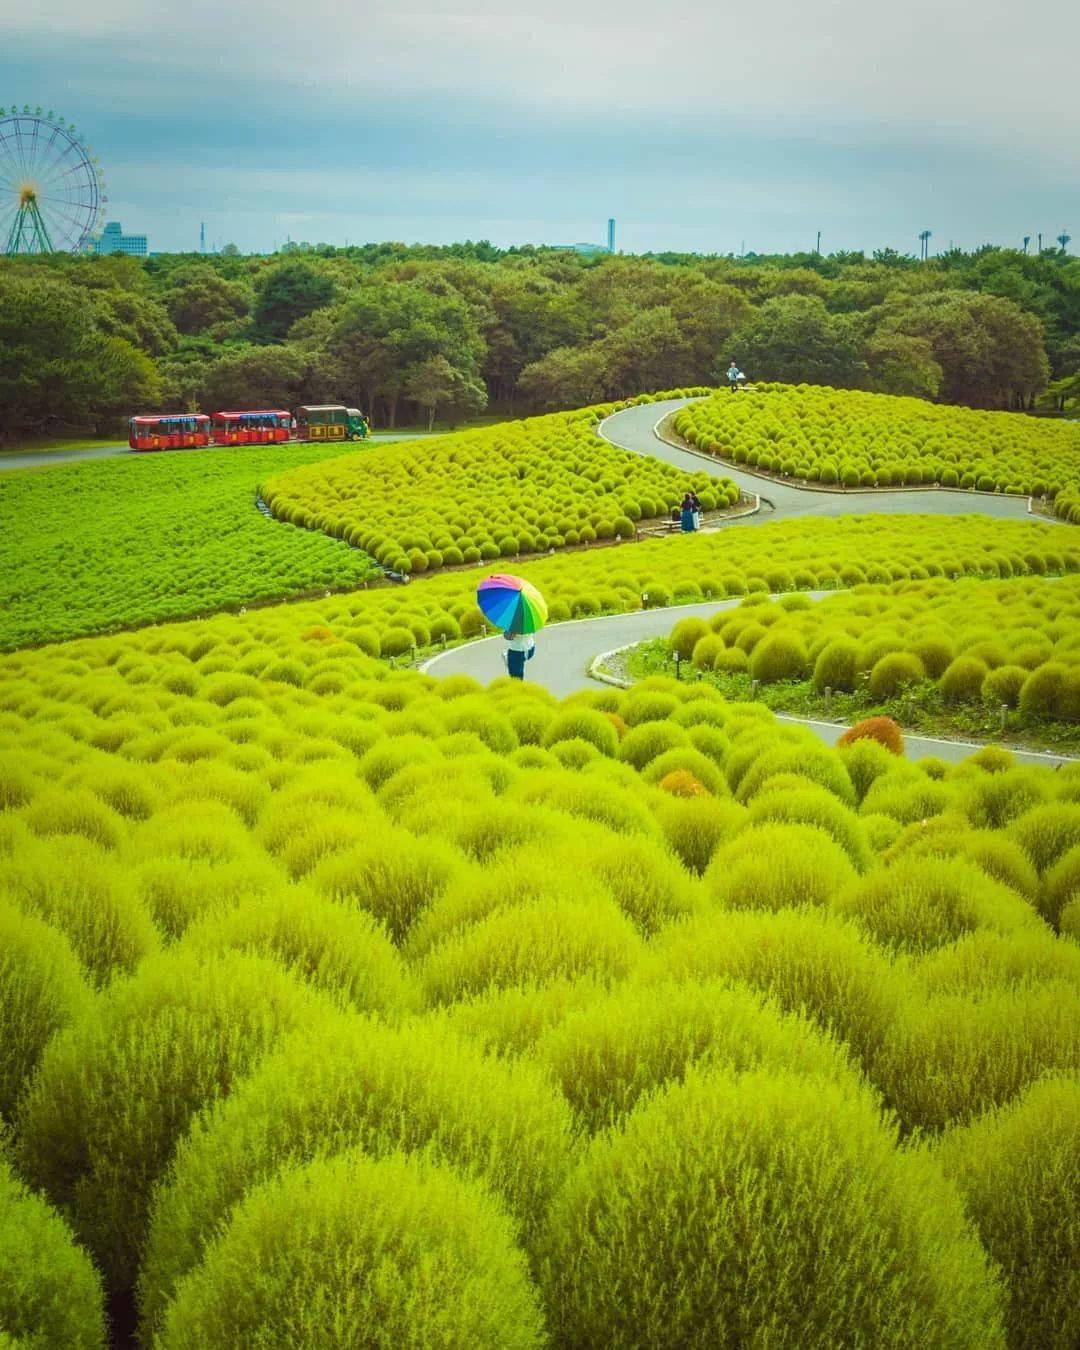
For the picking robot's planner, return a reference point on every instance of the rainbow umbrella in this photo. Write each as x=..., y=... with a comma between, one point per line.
x=512, y=604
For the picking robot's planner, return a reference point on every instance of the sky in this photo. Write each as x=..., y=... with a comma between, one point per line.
x=700, y=127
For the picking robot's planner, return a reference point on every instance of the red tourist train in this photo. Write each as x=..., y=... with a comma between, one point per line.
x=176, y=431
x=172, y=432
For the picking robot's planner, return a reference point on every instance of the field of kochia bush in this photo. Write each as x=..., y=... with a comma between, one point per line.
x=845, y=438
x=344, y=1005
x=520, y=487
x=474, y=1018
x=1000, y=642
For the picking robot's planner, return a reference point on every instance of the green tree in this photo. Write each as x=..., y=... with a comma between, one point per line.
x=990, y=351
x=385, y=331
x=57, y=367
x=902, y=365
x=436, y=383
x=568, y=377
x=254, y=377
x=794, y=338
x=288, y=291
x=199, y=300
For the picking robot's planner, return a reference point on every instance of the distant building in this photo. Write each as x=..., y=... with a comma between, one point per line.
x=114, y=240
x=588, y=249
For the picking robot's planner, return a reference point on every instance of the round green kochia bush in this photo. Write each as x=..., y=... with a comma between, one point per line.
x=780, y=656
x=583, y=724
x=806, y=960
x=894, y=673
x=1041, y=691
x=685, y=636
x=649, y=740
x=50, y=1293
x=1061, y=886
x=953, y=1056
x=558, y=939
x=778, y=866
x=89, y=896
x=837, y=665
x=1003, y=685
x=114, y=1093
x=389, y=876
x=1047, y=832
x=343, y=952
x=923, y=902
x=41, y=991
x=353, y=1250
x=983, y=961
x=962, y=681
x=342, y=1082
x=767, y=1208
x=1018, y=1171
x=608, y=1054
x=789, y=799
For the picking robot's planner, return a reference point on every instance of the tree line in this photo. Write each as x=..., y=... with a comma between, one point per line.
x=414, y=333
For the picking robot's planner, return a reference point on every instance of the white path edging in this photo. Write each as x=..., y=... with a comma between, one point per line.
x=597, y=672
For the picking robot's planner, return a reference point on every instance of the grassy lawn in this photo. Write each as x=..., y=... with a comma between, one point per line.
x=112, y=543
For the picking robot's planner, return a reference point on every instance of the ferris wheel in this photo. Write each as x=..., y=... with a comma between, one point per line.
x=52, y=190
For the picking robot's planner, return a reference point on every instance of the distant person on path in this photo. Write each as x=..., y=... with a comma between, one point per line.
x=688, y=513
x=734, y=375
x=520, y=647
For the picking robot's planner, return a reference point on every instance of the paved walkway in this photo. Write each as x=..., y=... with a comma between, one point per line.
x=566, y=650
x=634, y=430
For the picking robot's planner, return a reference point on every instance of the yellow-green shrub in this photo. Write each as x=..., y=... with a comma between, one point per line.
x=919, y=903
x=355, y=1250
x=559, y=939
x=345, y=1081
x=759, y=1209
x=778, y=866
x=952, y=1056
x=41, y=991
x=622, y=1046
x=805, y=959
x=114, y=1092
x=50, y=1294
x=339, y=950
x=87, y=894
x=1018, y=1171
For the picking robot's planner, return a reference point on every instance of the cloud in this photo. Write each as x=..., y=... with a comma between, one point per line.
x=702, y=125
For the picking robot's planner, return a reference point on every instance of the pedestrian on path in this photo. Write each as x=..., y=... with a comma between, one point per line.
x=688, y=513
x=734, y=377
x=520, y=647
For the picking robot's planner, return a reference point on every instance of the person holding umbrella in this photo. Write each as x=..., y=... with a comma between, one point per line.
x=519, y=609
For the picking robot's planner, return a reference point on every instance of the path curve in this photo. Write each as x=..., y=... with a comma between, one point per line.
x=635, y=429
x=567, y=650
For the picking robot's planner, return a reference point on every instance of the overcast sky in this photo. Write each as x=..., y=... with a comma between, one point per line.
x=701, y=127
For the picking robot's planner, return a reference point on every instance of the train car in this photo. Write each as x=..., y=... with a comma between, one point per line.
x=265, y=426
x=174, y=431
x=330, y=422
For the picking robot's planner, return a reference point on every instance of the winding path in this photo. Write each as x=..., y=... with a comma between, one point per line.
x=567, y=650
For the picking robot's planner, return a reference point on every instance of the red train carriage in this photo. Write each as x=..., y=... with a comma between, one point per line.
x=261, y=427
x=174, y=431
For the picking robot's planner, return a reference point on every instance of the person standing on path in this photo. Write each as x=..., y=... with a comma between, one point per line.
x=520, y=647
x=734, y=375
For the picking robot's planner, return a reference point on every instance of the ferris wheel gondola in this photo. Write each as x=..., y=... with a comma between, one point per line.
x=52, y=188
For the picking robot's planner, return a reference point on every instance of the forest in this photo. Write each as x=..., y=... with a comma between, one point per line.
x=415, y=333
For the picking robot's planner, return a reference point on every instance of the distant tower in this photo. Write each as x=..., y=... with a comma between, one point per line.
x=202, y=237
x=611, y=235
